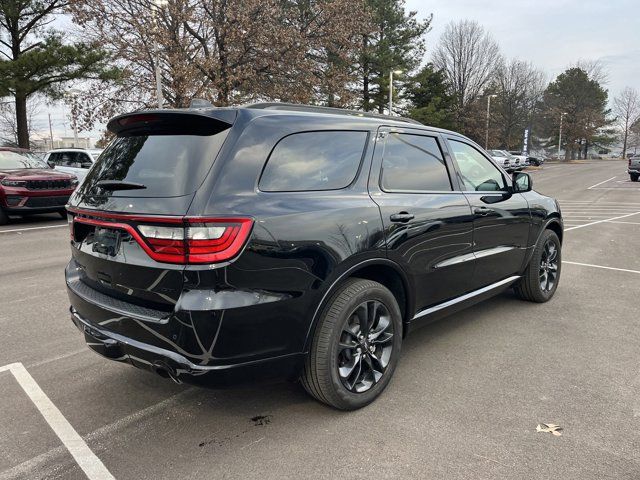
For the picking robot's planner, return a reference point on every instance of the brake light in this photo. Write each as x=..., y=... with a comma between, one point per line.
x=142, y=119
x=182, y=240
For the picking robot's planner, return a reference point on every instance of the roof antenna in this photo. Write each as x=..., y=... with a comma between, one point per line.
x=200, y=103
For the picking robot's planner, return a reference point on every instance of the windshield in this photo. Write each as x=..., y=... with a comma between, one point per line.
x=13, y=160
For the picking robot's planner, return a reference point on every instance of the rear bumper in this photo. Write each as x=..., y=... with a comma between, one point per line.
x=633, y=170
x=173, y=365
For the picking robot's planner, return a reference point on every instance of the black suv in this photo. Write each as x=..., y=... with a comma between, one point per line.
x=222, y=244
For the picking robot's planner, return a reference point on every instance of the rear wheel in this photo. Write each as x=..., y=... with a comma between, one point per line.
x=356, y=346
x=540, y=279
x=4, y=219
x=634, y=177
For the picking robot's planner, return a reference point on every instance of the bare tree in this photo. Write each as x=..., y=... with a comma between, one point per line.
x=9, y=123
x=469, y=56
x=626, y=107
x=228, y=51
x=594, y=69
x=519, y=86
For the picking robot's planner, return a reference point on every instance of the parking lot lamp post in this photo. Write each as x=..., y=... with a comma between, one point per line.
x=158, y=4
x=397, y=72
x=486, y=135
x=560, y=134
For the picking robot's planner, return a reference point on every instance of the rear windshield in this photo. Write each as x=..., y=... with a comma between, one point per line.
x=167, y=165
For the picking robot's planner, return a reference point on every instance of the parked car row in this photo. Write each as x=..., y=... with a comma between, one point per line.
x=514, y=161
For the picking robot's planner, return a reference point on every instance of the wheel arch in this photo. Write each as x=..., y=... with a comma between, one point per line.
x=381, y=270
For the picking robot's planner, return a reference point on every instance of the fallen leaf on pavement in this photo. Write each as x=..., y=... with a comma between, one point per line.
x=549, y=428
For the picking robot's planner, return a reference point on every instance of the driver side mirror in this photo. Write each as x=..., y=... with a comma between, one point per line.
x=522, y=182
x=51, y=164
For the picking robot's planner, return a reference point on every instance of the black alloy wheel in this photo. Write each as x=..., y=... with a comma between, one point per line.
x=541, y=277
x=365, y=346
x=549, y=266
x=355, y=347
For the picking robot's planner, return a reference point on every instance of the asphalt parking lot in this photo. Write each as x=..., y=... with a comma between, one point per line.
x=465, y=401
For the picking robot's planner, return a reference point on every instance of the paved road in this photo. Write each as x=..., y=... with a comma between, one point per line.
x=464, y=403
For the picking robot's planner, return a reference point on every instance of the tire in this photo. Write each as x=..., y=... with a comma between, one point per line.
x=634, y=177
x=325, y=376
x=63, y=214
x=540, y=280
x=4, y=219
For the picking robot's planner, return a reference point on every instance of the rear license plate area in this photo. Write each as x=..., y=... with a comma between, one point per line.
x=106, y=241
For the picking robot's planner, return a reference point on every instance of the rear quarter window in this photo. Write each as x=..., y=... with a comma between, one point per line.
x=307, y=161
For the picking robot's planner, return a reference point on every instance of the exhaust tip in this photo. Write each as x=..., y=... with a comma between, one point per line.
x=165, y=371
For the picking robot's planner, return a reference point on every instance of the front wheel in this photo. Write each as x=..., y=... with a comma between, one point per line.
x=4, y=219
x=356, y=346
x=540, y=280
x=63, y=214
x=634, y=177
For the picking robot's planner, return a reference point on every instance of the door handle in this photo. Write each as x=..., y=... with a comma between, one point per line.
x=402, y=217
x=483, y=211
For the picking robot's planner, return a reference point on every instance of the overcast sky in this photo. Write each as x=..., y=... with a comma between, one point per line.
x=552, y=34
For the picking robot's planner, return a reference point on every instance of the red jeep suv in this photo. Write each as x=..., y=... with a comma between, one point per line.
x=28, y=185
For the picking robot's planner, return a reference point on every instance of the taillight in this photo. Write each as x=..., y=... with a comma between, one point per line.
x=183, y=240
x=213, y=240
x=199, y=241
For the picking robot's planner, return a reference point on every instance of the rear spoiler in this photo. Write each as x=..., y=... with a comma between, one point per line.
x=172, y=122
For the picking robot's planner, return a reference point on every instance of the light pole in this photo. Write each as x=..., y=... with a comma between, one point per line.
x=397, y=72
x=157, y=5
x=486, y=135
x=560, y=134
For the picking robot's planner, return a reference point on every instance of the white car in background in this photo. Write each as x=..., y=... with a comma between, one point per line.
x=77, y=161
x=508, y=161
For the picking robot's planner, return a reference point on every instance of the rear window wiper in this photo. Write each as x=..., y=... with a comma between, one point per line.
x=119, y=185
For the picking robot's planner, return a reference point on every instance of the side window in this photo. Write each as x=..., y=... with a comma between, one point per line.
x=327, y=160
x=478, y=173
x=83, y=160
x=67, y=159
x=413, y=163
x=55, y=158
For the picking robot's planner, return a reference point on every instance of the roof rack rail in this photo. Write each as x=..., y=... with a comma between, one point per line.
x=330, y=110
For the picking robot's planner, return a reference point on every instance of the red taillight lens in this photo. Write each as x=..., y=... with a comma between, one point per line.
x=183, y=240
x=200, y=241
x=216, y=240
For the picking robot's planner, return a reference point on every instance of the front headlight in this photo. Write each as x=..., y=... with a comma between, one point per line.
x=13, y=183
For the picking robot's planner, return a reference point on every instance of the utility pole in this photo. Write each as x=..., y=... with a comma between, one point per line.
x=560, y=134
x=50, y=132
x=397, y=72
x=157, y=5
x=486, y=135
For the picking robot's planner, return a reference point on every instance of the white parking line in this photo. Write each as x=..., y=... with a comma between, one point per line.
x=32, y=228
x=601, y=266
x=86, y=459
x=601, y=221
x=626, y=223
x=605, y=181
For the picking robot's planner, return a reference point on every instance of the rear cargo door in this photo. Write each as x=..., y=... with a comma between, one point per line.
x=127, y=218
